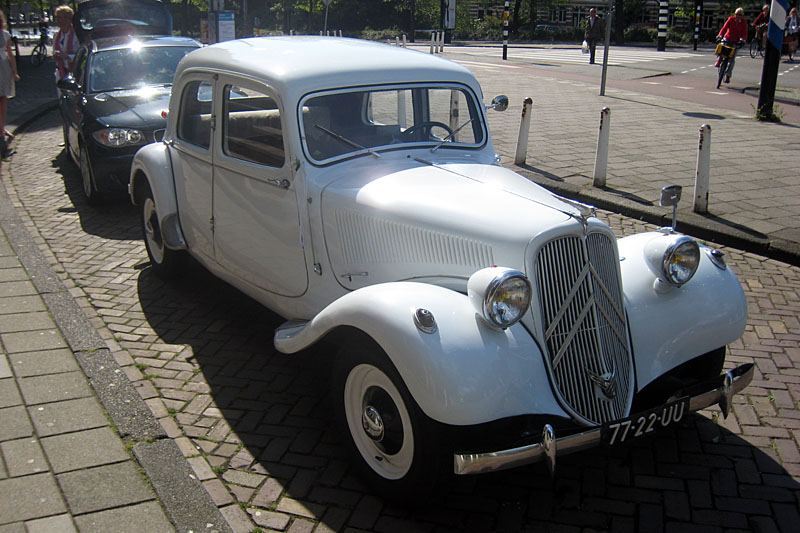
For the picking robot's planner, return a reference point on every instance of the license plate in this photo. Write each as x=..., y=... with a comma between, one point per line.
x=639, y=424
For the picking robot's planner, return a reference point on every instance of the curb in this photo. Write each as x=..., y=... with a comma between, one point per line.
x=690, y=223
x=184, y=499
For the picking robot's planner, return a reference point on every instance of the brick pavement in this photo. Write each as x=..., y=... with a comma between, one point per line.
x=254, y=424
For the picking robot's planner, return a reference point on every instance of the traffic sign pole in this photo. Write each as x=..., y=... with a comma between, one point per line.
x=772, y=59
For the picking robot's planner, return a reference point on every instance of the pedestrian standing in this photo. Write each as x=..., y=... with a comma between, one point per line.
x=792, y=23
x=735, y=32
x=65, y=43
x=8, y=78
x=593, y=33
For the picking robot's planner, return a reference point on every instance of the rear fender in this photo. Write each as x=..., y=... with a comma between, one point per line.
x=465, y=372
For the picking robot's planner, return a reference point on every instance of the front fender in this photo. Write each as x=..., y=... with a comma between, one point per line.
x=671, y=325
x=152, y=164
x=464, y=373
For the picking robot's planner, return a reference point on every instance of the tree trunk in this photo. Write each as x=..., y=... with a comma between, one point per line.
x=619, y=22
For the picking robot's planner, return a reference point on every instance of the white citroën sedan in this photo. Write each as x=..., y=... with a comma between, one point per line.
x=483, y=322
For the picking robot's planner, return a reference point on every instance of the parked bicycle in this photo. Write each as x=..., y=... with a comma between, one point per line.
x=39, y=53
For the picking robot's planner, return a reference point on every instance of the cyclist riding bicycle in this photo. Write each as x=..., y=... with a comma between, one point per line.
x=43, y=37
x=760, y=24
x=734, y=31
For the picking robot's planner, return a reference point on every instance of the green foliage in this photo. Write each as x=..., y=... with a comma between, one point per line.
x=640, y=35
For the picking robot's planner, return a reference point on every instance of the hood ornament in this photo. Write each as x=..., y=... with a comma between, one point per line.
x=584, y=211
x=605, y=384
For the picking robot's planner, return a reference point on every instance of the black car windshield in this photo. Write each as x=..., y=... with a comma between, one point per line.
x=352, y=122
x=134, y=67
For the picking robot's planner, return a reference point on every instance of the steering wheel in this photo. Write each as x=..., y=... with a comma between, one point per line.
x=427, y=126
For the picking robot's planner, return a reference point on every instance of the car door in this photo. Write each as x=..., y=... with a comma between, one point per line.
x=72, y=103
x=257, y=231
x=192, y=162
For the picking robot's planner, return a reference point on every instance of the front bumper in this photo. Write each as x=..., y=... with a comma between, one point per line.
x=730, y=383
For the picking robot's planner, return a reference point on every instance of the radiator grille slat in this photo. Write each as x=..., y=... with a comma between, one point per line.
x=586, y=333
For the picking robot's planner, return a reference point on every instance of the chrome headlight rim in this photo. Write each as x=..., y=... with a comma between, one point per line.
x=673, y=253
x=492, y=290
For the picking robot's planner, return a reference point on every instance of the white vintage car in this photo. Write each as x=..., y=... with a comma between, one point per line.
x=483, y=322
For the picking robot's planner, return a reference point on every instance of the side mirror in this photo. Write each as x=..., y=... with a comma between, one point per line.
x=68, y=84
x=670, y=196
x=499, y=103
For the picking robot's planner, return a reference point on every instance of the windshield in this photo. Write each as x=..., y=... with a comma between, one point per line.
x=366, y=121
x=134, y=67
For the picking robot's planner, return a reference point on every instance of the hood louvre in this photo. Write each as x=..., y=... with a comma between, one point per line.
x=367, y=240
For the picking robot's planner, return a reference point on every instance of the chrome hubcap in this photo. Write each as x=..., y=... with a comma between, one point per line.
x=372, y=423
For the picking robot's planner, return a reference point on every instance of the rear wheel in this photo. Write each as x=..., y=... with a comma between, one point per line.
x=165, y=263
x=390, y=441
x=38, y=55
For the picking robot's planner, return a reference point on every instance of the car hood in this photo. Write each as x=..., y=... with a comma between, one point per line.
x=141, y=108
x=434, y=221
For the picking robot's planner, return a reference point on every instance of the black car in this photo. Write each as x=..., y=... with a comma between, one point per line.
x=114, y=102
x=95, y=19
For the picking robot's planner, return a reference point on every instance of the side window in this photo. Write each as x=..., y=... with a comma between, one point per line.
x=194, y=121
x=251, y=127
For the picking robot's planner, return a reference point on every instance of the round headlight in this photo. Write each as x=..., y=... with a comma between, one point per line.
x=501, y=295
x=681, y=260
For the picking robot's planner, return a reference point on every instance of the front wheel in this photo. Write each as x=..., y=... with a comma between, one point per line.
x=390, y=440
x=723, y=66
x=87, y=178
x=165, y=263
x=754, y=47
x=38, y=55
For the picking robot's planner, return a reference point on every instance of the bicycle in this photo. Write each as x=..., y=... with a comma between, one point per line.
x=757, y=44
x=39, y=53
x=726, y=52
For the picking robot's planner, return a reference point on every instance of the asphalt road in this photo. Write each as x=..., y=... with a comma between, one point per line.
x=679, y=74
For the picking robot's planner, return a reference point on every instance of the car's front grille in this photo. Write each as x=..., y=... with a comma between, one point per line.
x=583, y=319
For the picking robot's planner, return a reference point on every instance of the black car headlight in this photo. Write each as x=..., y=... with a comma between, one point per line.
x=501, y=296
x=118, y=137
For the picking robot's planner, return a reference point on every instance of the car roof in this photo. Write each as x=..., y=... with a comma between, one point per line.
x=296, y=65
x=110, y=43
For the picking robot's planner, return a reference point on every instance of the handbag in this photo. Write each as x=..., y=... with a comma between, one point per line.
x=585, y=47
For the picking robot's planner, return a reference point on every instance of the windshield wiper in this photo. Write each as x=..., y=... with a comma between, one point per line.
x=348, y=141
x=452, y=135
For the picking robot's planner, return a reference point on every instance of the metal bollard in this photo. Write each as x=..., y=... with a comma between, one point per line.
x=404, y=41
x=433, y=39
x=703, y=168
x=441, y=42
x=524, y=129
x=601, y=159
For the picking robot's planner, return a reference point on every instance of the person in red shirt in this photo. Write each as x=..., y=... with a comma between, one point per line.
x=760, y=25
x=734, y=31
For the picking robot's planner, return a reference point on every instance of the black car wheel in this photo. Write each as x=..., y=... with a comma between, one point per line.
x=165, y=263
x=388, y=437
x=87, y=178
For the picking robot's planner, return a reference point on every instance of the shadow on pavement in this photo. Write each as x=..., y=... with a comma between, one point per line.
x=279, y=413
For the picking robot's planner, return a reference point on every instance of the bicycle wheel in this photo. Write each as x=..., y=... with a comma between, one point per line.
x=38, y=55
x=723, y=66
x=754, y=48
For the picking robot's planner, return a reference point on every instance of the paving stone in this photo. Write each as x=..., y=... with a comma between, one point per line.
x=15, y=423
x=67, y=416
x=54, y=388
x=9, y=394
x=53, y=524
x=104, y=487
x=83, y=449
x=29, y=497
x=144, y=517
x=23, y=457
x=43, y=362
x=31, y=341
